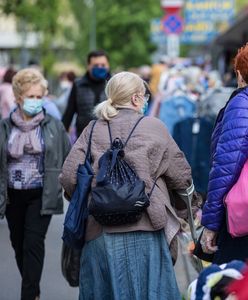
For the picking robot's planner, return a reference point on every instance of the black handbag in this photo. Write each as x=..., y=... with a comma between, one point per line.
x=70, y=264
x=119, y=196
x=77, y=213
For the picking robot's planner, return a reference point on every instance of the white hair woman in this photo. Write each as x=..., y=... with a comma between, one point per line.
x=33, y=147
x=131, y=261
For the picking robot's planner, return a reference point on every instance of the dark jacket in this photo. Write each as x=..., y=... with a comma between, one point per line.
x=57, y=146
x=196, y=147
x=85, y=94
x=229, y=153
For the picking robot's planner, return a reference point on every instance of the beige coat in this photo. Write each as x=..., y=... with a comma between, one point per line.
x=152, y=153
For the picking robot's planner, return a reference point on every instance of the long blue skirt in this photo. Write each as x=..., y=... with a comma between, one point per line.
x=128, y=266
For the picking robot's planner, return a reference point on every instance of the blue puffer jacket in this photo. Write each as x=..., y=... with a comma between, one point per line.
x=229, y=149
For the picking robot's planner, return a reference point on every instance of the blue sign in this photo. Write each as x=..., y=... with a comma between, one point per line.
x=205, y=19
x=157, y=35
x=172, y=23
x=209, y=10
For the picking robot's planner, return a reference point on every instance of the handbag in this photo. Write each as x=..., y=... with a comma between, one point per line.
x=70, y=264
x=236, y=202
x=77, y=212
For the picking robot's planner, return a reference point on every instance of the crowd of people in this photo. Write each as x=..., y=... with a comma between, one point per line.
x=168, y=128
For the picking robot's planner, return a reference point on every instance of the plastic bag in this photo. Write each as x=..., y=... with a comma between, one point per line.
x=70, y=264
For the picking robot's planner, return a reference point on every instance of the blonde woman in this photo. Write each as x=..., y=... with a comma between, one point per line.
x=33, y=147
x=131, y=261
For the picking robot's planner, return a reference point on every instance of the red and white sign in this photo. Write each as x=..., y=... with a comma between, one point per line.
x=171, y=6
x=171, y=3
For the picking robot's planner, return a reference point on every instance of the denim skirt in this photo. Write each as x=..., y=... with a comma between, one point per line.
x=127, y=266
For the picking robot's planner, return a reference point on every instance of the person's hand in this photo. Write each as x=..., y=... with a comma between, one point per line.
x=208, y=241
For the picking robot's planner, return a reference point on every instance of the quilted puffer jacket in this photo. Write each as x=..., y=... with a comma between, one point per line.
x=229, y=149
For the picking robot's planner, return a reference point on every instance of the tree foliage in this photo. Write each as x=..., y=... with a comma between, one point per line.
x=122, y=29
x=40, y=16
x=122, y=26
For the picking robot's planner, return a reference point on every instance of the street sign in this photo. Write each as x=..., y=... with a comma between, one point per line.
x=209, y=10
x=205, y=19
x=172, y=23
x=157, y=35
x=171, y=3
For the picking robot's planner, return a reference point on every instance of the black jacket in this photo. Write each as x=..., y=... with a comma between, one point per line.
x=85, y=94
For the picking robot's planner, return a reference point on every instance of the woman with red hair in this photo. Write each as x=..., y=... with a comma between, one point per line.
x=229, y=149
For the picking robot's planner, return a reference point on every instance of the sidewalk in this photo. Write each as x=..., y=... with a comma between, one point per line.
x=53, y=285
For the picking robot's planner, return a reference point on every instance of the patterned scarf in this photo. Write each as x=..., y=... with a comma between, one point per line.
x=23, y=137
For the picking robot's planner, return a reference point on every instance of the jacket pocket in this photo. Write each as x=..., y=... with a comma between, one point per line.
x=52, y=191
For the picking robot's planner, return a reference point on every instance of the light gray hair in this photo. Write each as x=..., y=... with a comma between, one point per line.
x=119, y=91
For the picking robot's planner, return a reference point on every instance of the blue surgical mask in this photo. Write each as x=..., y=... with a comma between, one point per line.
x=32, y=107
x=99, y=72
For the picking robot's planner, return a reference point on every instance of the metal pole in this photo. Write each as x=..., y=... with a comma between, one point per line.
x=92, y=30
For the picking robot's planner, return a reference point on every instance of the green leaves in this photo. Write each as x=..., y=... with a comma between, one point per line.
x=122, y=27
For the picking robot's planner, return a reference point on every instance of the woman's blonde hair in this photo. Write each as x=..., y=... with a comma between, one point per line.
x=119, y=91
x=25, y=78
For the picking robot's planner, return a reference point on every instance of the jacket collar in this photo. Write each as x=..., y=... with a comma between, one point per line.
x=221, y=112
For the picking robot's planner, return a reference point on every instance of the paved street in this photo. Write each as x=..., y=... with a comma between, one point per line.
x=53, y=285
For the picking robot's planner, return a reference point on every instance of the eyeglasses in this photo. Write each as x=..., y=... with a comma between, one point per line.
x=146, y=97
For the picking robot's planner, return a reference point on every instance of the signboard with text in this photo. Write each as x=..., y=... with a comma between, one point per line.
x=157, y=35
x=205, y=19
x=208, y=10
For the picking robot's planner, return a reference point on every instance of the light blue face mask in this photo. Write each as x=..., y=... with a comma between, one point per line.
x=32, y=107
x=144, y=109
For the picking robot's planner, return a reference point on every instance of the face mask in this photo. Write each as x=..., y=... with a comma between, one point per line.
x=32, y=107
x=64, y=85
x=144, y=109
x=99, y=72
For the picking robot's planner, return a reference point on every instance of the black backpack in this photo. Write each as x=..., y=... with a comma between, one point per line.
x=119, y=196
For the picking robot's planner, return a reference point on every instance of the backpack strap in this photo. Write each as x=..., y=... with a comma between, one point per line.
x=110, y=135
x=130, y=134
x=88, y=154
x=153, y=186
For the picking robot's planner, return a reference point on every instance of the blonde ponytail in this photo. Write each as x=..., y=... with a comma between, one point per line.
x=105, y=110
x=119, y=91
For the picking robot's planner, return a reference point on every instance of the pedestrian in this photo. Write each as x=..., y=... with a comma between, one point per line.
x=87, y=91
x=131, y=261
x=66, y=80
x=229, y=153
x=33, y=146
x=7, y=99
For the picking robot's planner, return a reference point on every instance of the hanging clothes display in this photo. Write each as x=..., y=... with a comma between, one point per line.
x=175, y=109
x=193, y=136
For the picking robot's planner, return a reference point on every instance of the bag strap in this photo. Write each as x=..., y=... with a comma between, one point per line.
x=110, y=135
x=130, y=134
x=153, y=186
x=88, y=153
